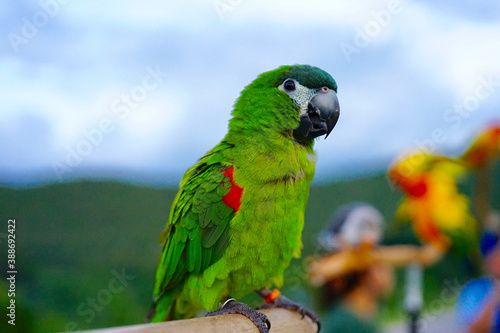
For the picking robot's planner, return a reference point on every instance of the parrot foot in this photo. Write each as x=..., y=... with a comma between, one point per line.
x=283, y=302
x=232, y=307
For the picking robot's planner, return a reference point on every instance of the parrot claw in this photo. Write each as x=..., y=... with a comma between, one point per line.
x=231, y=306
x=283, y=302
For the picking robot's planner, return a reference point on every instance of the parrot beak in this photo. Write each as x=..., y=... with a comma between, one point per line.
x=322, y=114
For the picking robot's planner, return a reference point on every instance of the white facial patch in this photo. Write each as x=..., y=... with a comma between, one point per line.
x=300, y=96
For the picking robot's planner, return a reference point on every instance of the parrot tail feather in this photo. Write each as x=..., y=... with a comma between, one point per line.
x=163, y=307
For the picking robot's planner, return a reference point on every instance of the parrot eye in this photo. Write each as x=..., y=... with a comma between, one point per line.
x=289, y=85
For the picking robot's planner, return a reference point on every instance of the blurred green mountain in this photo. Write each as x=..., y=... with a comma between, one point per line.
x=87, y=251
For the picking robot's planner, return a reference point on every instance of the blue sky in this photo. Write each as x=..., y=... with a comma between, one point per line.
x=139, y=91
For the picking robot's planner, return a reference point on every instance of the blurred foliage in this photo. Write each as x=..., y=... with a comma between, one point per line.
x=75, y=240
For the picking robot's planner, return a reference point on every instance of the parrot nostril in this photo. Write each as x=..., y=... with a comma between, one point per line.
x=324, y=90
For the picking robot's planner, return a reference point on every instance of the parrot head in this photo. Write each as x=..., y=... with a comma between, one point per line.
x=484, y=149
x=314, y=92
x=299, y=101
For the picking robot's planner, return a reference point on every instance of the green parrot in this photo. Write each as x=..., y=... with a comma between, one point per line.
x=237, y=219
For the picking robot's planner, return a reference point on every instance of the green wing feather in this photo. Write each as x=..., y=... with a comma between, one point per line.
x=198, y=230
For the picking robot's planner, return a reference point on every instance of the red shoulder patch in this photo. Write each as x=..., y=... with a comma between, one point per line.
x=233, y=197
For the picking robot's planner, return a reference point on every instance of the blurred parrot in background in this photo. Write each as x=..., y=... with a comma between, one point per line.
x=440, y=215
x=484, y=149
x=480, y=158
x=237, y=219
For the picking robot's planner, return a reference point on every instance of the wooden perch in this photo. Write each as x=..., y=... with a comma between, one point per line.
x=360, y=258
x=281, y=321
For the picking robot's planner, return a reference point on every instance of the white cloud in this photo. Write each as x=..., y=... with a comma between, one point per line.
x=393, y=92
x=452, y=51
x=147, y=14
x=295, y=14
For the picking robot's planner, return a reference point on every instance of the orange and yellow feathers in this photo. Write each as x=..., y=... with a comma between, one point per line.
x=439, y=213
x=484, y=149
